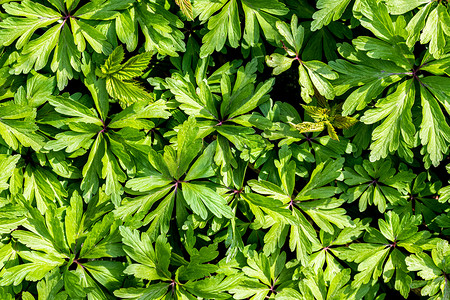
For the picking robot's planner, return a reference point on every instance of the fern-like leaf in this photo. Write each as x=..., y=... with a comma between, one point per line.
x=186, y=8
x=120, y=82
x=325, y=117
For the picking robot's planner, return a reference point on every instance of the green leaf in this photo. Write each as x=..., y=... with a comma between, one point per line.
x=213, y=287
x=221, y=26
x=279, y=63
x=7, y=164
x=434, y=130
x=101, y=240
x=202, y=199
x=92, y=169
x=260, y=95
x=119, y=77
x=311, y=73
x=186, y=94
x=432, y=269
x=96, y=39
x=371, y=75
x=186, y=8
x=328, y=10
x=72, y=285
x=381, y=254
x=197, y=269
x=376, y=183
x=436, y=30
x=96, y=86
x=261, y=16
x=271, y=206
x=66, y=58
x=35, y=54
x=101, y=10
x=114, y=176
x=294, y=35
x=18, y=127
x=202, y=167
x=51, y=285
x=42, y=186
x=425, y=266
x=73, y=218
x=153, y=259
x=126, y=28
x=396, y=132
x=38, y=15
x=154, y=291
x=75, y=109
x=188, y=146
x=376, y=18
x=159, y=27
x=323, y=174
x=399, y=7
x=108, y=273
x=379, y=49
x=325, y=212
x=38, y=266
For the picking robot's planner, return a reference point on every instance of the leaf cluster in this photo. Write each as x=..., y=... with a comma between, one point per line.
x=226, y=149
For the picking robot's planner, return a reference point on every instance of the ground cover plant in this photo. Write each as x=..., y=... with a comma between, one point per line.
x=224, y=149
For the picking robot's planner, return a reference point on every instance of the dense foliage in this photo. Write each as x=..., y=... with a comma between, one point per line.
x=224, y=149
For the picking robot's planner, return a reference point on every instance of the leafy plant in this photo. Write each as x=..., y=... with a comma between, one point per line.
x=376, y=183
x=312, y=74
x=396, y=131
x=119, y=77
x=227, y=114
x=263, y=276
x=325, y=117
x=432, y=270
x=224, y=22
x=168, y=149
x=380, y=254
x=171, y=173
